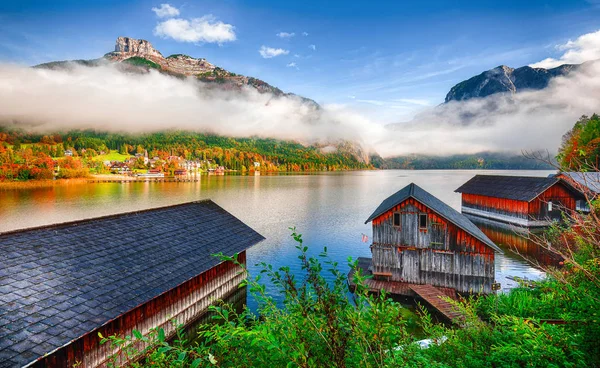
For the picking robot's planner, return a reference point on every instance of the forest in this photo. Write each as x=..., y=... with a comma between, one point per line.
x=580, y=148
x=481, y=161
x=26, y=155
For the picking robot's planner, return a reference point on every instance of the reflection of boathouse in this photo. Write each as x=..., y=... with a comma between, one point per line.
x=519, y=200
x=520, y=240
x=418, y=239
x=63, y=284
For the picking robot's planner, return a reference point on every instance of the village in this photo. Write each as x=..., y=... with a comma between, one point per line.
x=140, y=165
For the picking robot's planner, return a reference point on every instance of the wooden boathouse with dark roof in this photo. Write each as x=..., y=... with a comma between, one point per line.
x=519, y=200
x=420, y=240
x=61, y=285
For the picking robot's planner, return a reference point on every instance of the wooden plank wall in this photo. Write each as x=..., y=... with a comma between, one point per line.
x=501, y=206
x=561, y=197
x=185, y=303
x=558, y=194
x=441, y=255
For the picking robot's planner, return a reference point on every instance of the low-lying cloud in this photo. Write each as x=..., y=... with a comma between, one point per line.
x=106, y=98
x=585, y=48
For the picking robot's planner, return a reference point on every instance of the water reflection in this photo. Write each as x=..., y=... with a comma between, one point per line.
x=518, y=240
x=329, y=209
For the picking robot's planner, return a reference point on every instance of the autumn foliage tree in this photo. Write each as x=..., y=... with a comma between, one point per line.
x=580, y=147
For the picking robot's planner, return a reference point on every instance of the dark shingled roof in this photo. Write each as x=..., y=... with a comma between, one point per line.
x=583, y=180
x=414, y=191
x=60, y=282
x=519, y=188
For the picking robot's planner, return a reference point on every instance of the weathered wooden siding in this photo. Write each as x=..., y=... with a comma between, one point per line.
x=536, y=210
x=562, y=199
x=441, y=255
x=503, y=206
x=185, y=303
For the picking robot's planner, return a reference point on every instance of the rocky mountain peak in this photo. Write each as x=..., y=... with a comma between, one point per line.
x=133, y=47
x=504, y=79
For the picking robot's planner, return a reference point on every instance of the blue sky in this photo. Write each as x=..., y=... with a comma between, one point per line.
x=387, y=59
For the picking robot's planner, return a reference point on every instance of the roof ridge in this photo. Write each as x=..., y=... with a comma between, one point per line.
x=104, y=217
x=412, y=189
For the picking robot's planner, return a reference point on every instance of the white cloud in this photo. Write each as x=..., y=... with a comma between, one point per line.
x=205, y=29
x=270, y=52
x=291, y=65
x=285, y=35
x=166, y=11
x=312, y=47
x=304, y=34
x=584, y=48
x=77, y=98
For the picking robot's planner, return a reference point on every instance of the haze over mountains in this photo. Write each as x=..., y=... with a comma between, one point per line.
x=136, y=89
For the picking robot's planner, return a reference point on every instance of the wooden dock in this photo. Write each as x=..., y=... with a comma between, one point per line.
x=433, y=296
x=437, y=299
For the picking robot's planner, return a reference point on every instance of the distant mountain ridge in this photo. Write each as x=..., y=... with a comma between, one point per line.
x=135, y=54
x=504, y=79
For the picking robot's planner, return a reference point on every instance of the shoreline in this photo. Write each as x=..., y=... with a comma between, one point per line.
x=95, y=178
x=45, y=183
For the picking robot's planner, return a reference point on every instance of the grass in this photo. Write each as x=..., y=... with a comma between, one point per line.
x=136, y=60
x=114, y=155
x=176, y=55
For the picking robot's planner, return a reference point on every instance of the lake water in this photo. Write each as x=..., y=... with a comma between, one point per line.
x=329, y=209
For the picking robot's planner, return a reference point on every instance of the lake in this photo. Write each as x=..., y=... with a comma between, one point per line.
x=329, y=209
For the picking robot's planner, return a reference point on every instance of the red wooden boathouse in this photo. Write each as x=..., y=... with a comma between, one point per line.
x=519, y=200
x=63, y=284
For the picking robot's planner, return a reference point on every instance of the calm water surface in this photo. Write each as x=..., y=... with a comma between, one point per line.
x=329, y=209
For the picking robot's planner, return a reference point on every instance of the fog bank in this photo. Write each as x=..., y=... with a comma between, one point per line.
x=106, y=98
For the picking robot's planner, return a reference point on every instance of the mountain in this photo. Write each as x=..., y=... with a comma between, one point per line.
x=135, y=55
x=506, y=79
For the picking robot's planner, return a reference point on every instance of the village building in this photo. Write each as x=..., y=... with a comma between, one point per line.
x=519, y=200
x=63, y=284
x=118, y=167
x=420, y=240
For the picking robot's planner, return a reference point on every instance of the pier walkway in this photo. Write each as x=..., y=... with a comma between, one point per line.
x=433, y=296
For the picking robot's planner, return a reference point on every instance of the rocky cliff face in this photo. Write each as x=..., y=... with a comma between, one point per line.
x=142, y=54
x=504, y=79
x=127, y=48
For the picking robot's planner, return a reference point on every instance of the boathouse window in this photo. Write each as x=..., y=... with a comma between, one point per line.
x=397, y=219
x=422, y=221
x=550, y=206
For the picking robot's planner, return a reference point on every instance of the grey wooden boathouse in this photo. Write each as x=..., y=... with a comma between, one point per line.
x=61, y=285
x=418, y=239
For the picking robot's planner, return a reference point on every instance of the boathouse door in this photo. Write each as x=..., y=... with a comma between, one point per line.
x=384, y=259
x=410, y=260
x=412, y=238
